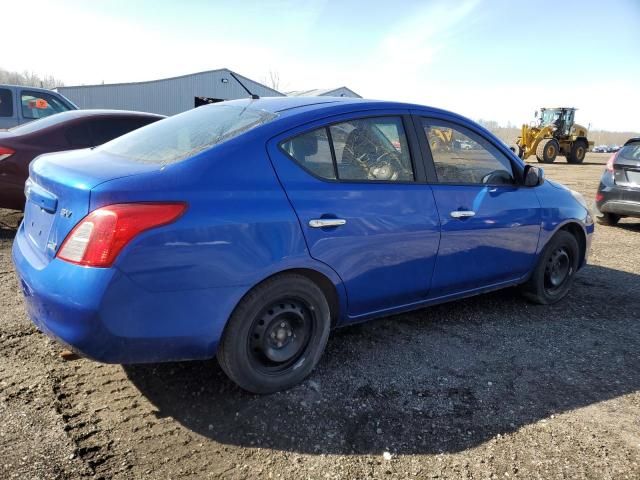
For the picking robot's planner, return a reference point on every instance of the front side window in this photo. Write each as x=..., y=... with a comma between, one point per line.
x=182, y=136
x=462, y=157
x=40, y=104
x=368, y=149
x=6, y=103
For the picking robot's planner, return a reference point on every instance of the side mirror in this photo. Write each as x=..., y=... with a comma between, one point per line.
x=533, y=176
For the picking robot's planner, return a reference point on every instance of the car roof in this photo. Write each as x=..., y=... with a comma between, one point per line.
x=631, y=140
x=107, y=113
x=291, y=106
x=28, y=87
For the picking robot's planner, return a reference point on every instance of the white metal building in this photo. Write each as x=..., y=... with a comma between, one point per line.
x=169, y=96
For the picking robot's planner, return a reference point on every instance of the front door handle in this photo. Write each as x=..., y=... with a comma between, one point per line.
x=326, y=222
x=462, y=213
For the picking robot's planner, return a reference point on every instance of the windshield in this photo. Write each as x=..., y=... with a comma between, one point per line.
x=631, y=152
x=549, y=116
x=182, y=136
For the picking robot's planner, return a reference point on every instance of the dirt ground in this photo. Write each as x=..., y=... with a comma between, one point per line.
x=489, y=387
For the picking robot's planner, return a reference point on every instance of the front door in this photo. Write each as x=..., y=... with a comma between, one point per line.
x=362, y=206
x=490, y=223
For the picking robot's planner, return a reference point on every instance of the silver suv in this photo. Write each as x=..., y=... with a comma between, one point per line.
x=22, y=104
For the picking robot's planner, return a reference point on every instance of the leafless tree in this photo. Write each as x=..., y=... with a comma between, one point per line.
x=272, y=80
x=29, y=79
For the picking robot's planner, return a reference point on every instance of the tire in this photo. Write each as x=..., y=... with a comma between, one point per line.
x=578, y=152
x=517, y=150
x=276, y=334
x=546, y=284
x=547, y=150
x=610, y=219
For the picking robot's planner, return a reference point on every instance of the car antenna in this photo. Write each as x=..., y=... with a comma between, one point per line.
x=252, y=95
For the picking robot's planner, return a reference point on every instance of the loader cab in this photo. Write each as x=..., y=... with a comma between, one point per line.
x=562, y=118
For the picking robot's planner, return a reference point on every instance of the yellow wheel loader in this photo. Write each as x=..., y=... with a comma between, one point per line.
x=553, y=133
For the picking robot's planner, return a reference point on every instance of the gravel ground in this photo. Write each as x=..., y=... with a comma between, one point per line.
x=489, y=387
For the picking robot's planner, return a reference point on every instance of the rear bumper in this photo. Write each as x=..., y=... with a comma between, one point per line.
x=619, y=200
x=101, y=314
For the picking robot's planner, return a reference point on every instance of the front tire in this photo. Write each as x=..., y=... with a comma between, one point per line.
x=547, y=150
x=555, y=271
x=276, y=334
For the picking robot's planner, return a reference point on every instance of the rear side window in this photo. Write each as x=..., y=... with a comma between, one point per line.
x=105, y=130
x=78, y=135
x=368, y=149
x=463, y=157
x=179, y=137
x=312, y=151
x=40, y=104
x=6, y=103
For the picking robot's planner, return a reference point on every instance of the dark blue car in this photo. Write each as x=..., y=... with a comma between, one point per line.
x=248, y=229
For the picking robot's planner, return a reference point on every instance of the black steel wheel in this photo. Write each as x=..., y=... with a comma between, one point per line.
x=557, y=270
x=280, y=334
x=553, y=275
x=276, y=334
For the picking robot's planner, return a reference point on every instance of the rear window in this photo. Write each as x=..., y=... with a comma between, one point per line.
x=631, y=151
x=182, y=136
x=45, y=122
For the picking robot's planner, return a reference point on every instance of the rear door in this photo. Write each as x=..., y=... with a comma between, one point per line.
x=360, y=195
x=490, y=224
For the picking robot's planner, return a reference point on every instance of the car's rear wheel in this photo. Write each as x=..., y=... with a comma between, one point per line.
x=547, y=150
x=606, y=218
x=555, y=270
x=276, y=335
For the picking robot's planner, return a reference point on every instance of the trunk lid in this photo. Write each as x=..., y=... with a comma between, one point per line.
x=58, y=192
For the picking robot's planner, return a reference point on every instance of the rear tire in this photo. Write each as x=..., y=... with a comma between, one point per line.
x=578, y=152
x=610, y=219
x=276, y=334
x=554, y=273
x=547, y=150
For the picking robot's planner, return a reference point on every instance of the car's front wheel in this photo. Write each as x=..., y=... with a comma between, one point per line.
x=276, y=334
x=554, y=273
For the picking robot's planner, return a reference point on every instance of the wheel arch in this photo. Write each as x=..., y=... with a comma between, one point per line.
x=575, y=229
x=332, y=288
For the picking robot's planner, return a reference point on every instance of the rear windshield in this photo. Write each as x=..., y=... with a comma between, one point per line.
x=631, y=152
x=182, y=136
x=45, y=122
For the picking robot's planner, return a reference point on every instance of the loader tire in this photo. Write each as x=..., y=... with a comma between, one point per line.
x=578, y=152
x=547, y=150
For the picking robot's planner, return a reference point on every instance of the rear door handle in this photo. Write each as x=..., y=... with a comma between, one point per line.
x=326, y=222
x=462, y=213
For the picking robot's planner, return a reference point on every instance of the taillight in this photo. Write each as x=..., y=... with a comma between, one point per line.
x=6, y=152
x=599, y=197
x=100, y=236
x=610, y=162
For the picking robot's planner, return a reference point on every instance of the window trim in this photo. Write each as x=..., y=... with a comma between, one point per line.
x=407, y=125
x=428, y=155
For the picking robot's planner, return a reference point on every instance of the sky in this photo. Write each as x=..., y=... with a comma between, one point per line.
x=486, y=59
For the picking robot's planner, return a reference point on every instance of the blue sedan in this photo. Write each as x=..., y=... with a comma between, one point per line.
x=248, y=229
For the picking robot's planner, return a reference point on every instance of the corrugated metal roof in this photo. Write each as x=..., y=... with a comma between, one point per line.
x=324, y=92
